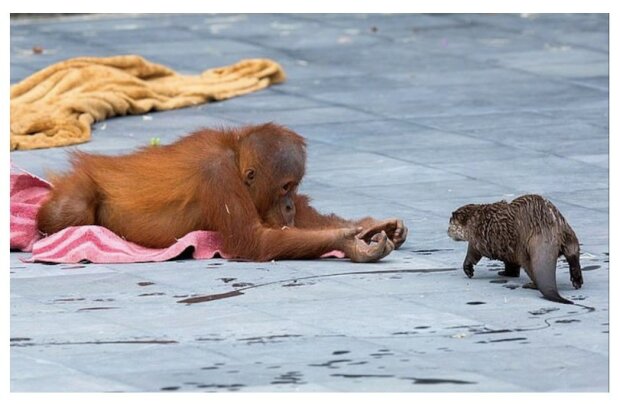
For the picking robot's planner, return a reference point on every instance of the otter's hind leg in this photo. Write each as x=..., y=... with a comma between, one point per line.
x=575, y=270
x=511, y=269
x=570, y=250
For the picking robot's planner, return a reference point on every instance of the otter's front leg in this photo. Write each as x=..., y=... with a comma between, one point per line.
x=472, y=258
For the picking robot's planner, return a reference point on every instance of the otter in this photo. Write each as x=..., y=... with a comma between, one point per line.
x=529, y=232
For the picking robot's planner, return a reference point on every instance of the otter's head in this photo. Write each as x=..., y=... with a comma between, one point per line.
x=458, y=229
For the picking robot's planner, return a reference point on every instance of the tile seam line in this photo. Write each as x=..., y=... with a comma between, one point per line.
x=361, y=339
x=457, y=24
x=83, y=372
x=412, y=121
x=376, y=114
x=426, y=165
x=501, y=27
x=500, y=66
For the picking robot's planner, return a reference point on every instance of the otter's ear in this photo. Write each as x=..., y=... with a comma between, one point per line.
x=248, y=176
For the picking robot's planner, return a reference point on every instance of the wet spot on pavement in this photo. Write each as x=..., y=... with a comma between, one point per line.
x=543, y=311
x=418, y=380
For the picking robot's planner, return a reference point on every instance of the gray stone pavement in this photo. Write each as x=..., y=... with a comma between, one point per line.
x=406, y=115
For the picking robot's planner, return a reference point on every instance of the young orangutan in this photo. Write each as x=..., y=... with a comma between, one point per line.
x=239, y=182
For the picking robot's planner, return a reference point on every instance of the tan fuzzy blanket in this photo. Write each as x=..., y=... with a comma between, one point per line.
x=57, y=105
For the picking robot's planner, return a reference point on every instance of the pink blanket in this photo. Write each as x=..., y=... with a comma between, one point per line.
x=91, y=243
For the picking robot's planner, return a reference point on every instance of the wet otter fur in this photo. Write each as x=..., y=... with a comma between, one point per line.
x=529, y=232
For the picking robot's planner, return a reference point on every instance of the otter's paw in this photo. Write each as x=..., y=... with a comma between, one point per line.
x=469, y=270
x=576, y=279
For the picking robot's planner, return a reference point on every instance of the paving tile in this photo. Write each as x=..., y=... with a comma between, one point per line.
x=295, y=117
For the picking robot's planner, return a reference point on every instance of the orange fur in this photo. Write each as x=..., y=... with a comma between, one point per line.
x=239, y=182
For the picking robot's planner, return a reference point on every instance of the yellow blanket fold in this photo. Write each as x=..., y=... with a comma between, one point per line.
x=57, y=105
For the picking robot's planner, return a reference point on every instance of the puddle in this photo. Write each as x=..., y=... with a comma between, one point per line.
x=511, y=286
x=543, y=311
x=502, y=340
x=268, y=338
x=152, y=294
x=499, y=281
x=590, y=267
x=340, y=352
x=232, y=387
x=476, y=303
x=170, y=388
x=208, y=298
x=487, y=331
x=154, y=341
x=568, y=321
x=418, y=380
x=227, y=280
x=242, y=284
x=289, y=378
x=295, y=283
x=97, y=308
x=145, y=283
x=381, y=354
x=329, y=364
x=359, y=376
x=70, y=299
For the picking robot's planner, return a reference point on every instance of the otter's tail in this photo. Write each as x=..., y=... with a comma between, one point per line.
x=544, y=260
